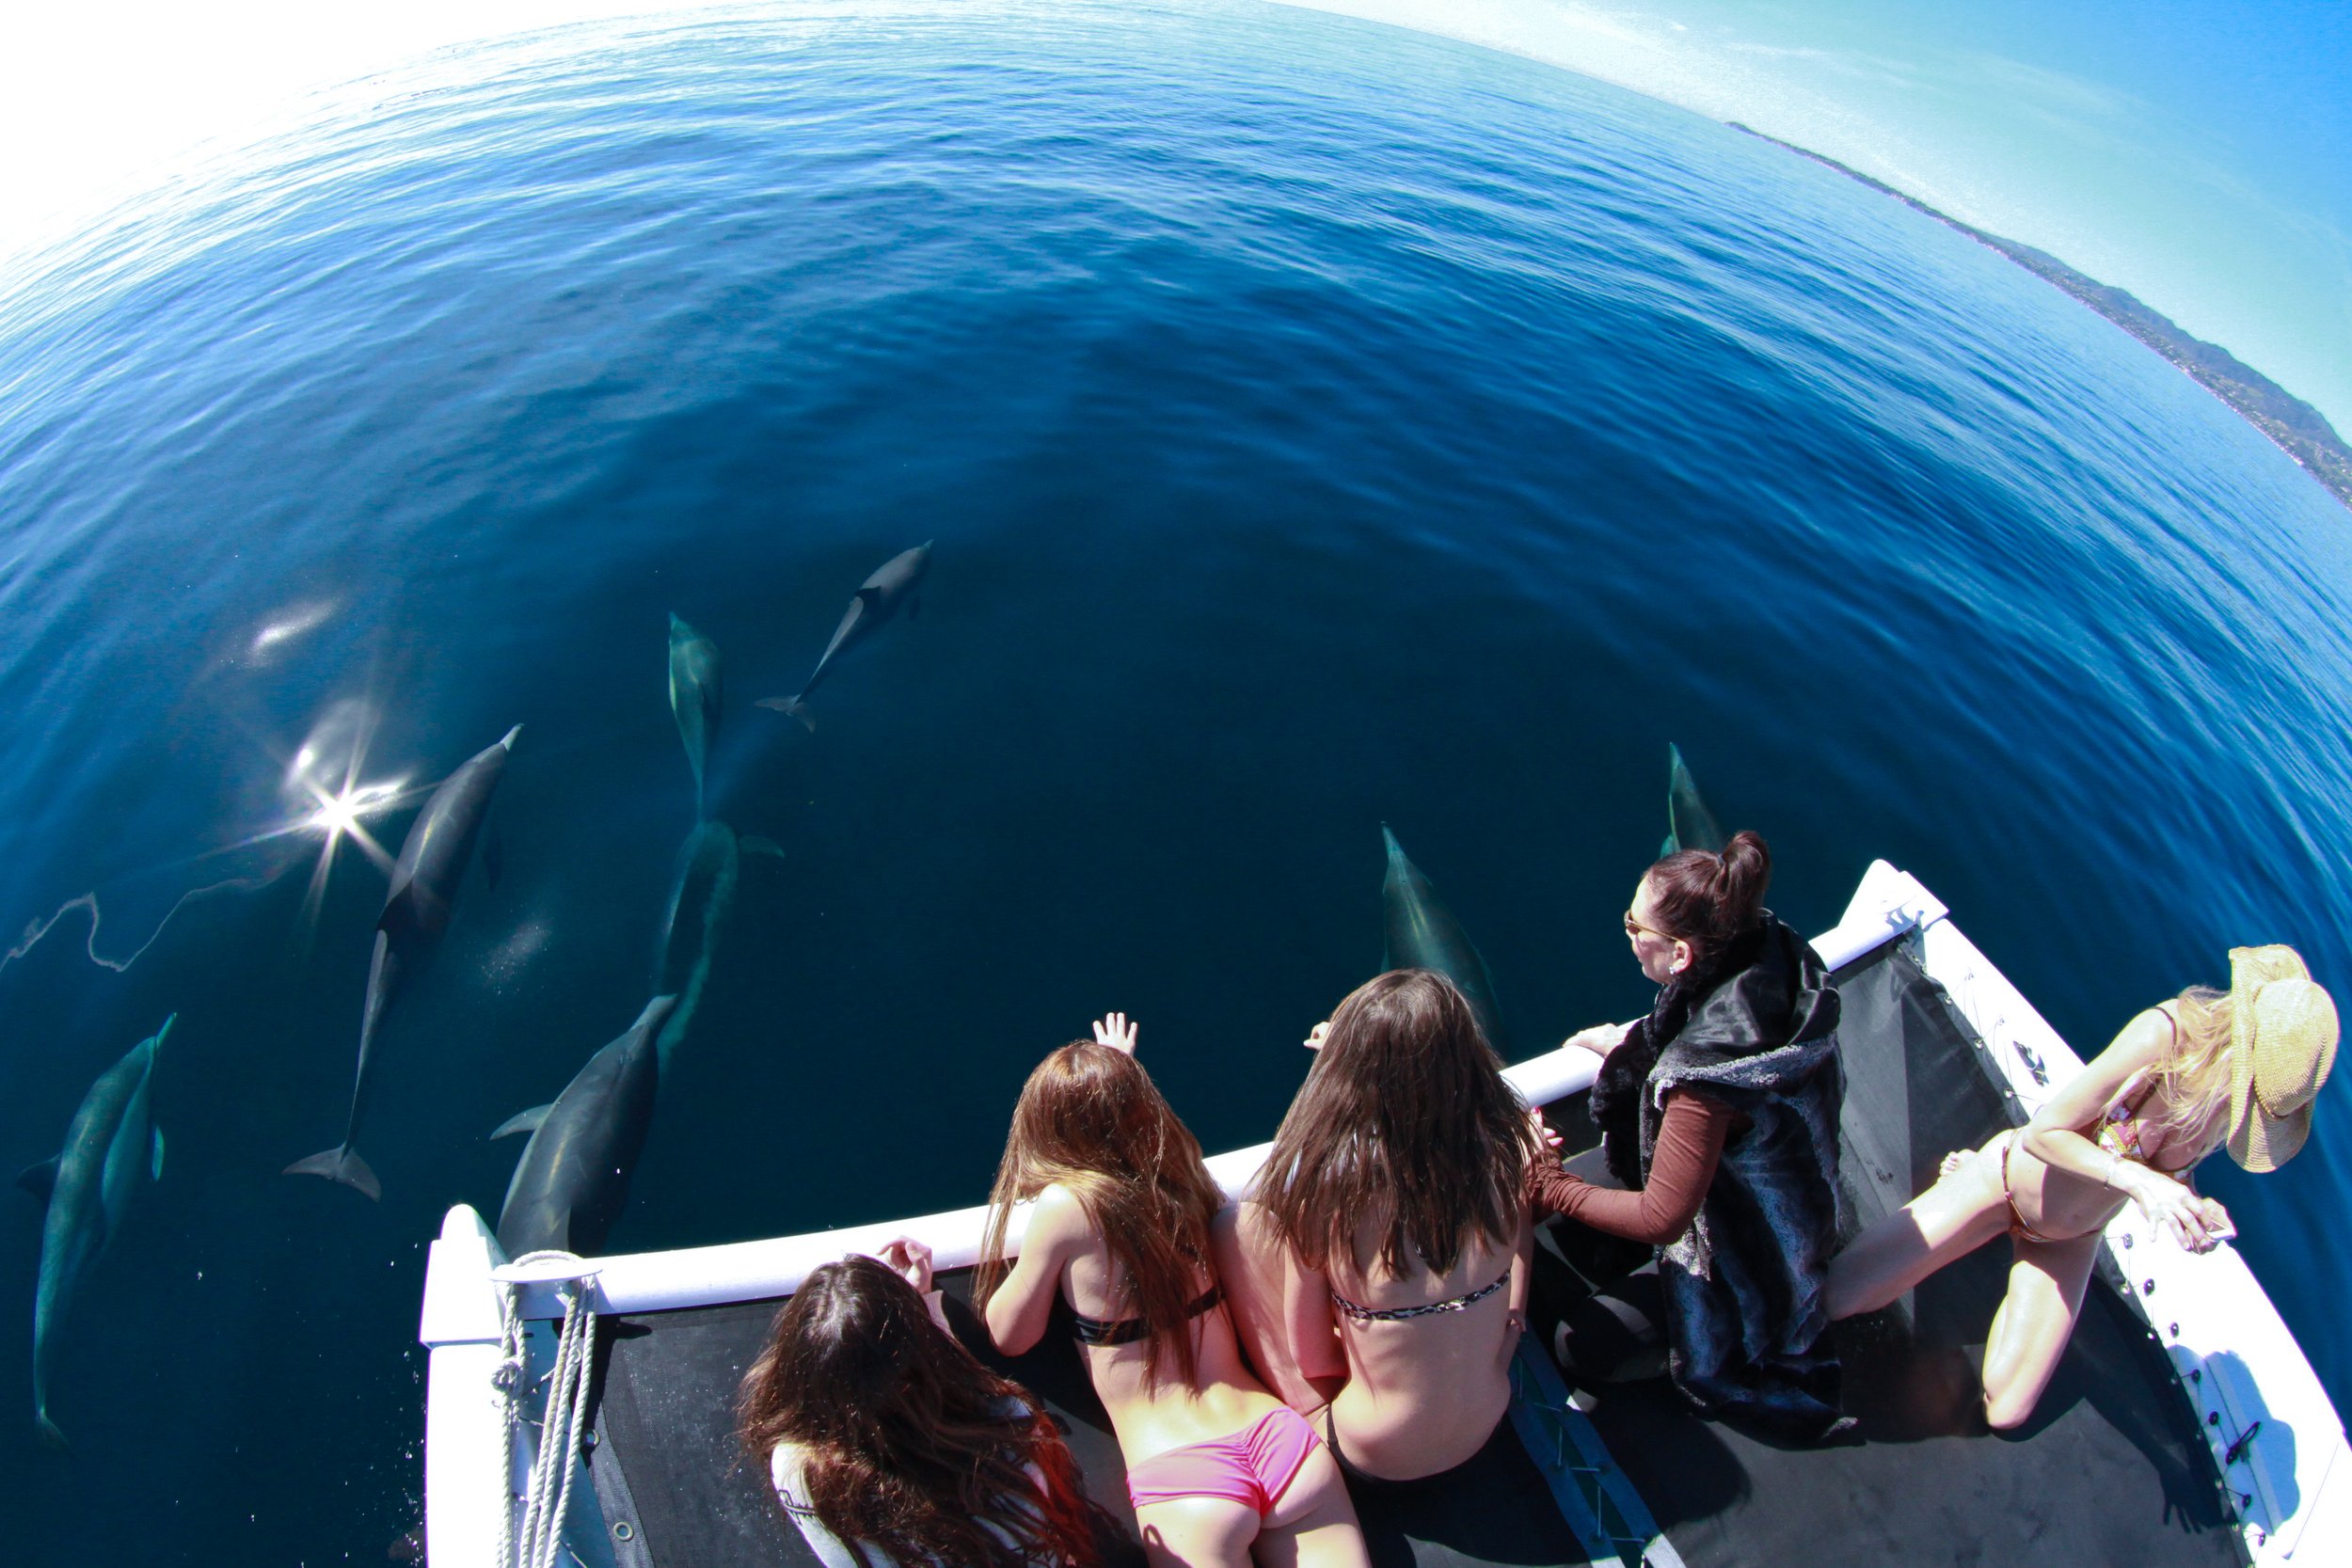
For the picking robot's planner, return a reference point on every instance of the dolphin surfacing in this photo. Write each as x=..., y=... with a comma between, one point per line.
x=1422, y=933
x=112, y=1148
x=416, y=915
x=710, y=869
x=1689, y=824
x=573, y=1178
x=877, y=599
x=694, y=692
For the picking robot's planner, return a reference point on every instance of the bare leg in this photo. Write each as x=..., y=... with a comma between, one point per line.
x=1263, y=1287
x=1197, y=1532
x=2036, y=1319
x=1954, y=1217
x=1313, y=1525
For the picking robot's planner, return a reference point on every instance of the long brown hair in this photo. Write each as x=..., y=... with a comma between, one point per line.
x=1406, y=1120
x=1090, y=1121
x=913, y=1447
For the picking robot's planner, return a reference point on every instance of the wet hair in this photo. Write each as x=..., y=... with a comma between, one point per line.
x=1705, y=898
x=1090, y=1121
x=914, y=1449
x=1405, y=1121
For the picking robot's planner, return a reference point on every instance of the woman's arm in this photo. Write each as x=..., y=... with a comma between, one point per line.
x=1018, y=1312
x=2052, y=1137
x=1690, y=1140
x=1522, y=1271
x=1308, y=1324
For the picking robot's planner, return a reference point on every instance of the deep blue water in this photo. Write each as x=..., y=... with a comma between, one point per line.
x=1319, y=424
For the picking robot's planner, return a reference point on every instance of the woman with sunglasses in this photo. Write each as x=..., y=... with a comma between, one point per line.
x=1719, y=1149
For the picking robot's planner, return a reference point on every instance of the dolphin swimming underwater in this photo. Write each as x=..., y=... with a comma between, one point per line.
x=1689, y=824
x=710, y=869
x=876, y=601
x=416, y=915
x=573, y=1178
x=112, y=1148
x=694, y=689
x=1422, y=933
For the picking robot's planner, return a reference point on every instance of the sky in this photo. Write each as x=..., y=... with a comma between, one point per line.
x=2197, y=152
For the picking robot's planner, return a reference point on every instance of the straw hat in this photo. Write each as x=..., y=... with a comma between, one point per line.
x=2283, y=1041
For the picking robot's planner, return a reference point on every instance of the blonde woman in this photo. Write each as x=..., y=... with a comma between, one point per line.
x=2208, y=1070
x=1218, y=1468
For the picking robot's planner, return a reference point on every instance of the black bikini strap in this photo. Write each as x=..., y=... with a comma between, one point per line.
x=1128, y=1331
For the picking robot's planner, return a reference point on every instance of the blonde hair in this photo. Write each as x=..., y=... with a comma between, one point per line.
x=2193, y=1071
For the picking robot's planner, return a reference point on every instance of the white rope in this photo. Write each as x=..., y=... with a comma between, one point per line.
x=547, y=1493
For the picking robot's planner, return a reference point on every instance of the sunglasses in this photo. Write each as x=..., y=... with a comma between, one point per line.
x=1634, y=927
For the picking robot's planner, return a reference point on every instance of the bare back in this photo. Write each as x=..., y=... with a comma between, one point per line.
x=1428, y=1359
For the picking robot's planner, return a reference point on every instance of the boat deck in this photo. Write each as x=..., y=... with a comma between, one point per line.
x=2113, y=1469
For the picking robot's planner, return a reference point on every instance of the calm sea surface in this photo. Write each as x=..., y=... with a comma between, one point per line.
x=1319, y=426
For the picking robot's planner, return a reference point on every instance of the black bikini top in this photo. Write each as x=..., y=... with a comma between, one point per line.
x=1126, y=1331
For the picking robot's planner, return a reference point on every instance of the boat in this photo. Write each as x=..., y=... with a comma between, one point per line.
x=2184, y=1427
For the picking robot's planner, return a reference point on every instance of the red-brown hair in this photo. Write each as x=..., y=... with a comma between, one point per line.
x=1405, y=1121
x=913, y=1449
x=1705, y=898
x=1090, y=1121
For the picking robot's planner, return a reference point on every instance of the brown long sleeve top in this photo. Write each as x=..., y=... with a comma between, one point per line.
x=1691, y=1138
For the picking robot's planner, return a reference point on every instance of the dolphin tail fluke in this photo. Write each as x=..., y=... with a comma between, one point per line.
x=340, y=1164
x=51, y=1437
x=792, y=706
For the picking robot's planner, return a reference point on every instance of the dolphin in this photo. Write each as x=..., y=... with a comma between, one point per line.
x=710, y=869
x=694, y=697
x=877, y=600
x=573, y=1178
x=112, y=1148
x=416, y=915
x=1422, y=933
x=1689, y=824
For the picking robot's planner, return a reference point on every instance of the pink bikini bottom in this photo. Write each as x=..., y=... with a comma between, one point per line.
x=1253, y=1467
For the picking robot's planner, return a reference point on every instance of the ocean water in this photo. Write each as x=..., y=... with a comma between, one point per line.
x=1319, y=426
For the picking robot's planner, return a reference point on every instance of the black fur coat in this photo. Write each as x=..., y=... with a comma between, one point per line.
x=1755, y=1028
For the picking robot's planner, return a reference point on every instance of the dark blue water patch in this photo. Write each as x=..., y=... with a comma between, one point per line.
x=1319, y=426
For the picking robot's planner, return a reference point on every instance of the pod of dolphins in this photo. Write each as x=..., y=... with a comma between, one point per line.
x=571, y=1182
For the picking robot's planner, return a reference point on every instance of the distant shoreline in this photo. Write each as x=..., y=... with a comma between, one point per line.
x=2293, y=425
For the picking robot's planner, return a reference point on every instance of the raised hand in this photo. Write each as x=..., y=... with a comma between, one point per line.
x=911, y=1261
x=1117, y=1031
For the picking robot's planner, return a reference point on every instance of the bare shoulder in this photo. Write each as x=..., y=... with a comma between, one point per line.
x=1059, y=1218
x=2140, y=1043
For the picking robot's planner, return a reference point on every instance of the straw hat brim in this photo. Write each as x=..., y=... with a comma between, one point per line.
x=2258, y=1139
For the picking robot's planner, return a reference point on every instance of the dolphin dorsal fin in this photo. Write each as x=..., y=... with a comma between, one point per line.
x=752, y=844
x=39, y=1179
x=523, y=1121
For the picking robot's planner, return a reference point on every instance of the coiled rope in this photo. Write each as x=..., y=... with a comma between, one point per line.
x=548, y=1494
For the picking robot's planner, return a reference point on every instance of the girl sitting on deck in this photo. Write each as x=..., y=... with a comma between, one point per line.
x=2204, y=1071
x=889, y=1444
x=1120, y=1230
x=1719, y=1147
x=1378, y=1272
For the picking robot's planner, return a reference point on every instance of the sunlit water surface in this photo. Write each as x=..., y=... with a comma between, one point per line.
x=1319, y=426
